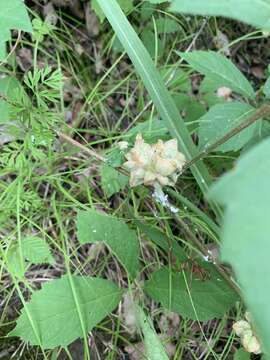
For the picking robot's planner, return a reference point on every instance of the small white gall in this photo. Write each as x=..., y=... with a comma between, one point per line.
x=157, y=164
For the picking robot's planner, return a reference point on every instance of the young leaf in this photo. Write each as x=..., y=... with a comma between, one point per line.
x=55, y=310
x=112, y=181
x=36, y=250
x=245, y=244
x=220, y=70
x=13, y=16
x=93, y=226
x=211, y=298
x=153, y=347
x=156, y=88
x=222, y=118
x=253, y=12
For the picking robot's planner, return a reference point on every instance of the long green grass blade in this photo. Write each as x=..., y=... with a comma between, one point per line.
x=155, y=86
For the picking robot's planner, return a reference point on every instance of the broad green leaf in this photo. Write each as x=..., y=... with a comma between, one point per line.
x=94, y=226
x=220, y=70
x=253, y=12
x=222, y=118
x=241, y=354
x=210, y=298
x=36, y=250
x=54, y=310
x=154, y=349
x=245, y=241
x=13, y=15
x=156, y=88
x=112, y=181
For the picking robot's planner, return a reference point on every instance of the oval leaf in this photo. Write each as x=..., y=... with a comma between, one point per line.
x=219, y=70
x=94, y=226
x=245, y=193
x=211, y=298
x=54, y=310
x=222, y=118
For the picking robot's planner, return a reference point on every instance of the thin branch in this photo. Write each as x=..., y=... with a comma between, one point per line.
x=263, y=111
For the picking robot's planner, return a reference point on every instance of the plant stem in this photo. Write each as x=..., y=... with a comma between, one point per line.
x=259, y=114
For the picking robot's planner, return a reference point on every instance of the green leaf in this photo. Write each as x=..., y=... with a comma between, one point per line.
x=36, y=250
x=222, y=118
x=15, y=262
x=253, y=12
x=10, y=88
x=266, y=88
x=211, y=298
x=220, y=70
x=156, y=88
x=94, y=226
x=153, y=346
x=167, y=26
x=150, y=42
x=13, y=15
x=157, y=1
x=163, y=241
x=241, y=354
x=112, y=181
x=152, y=130
x=52, y=316
x=126, y=6
x=245, y=241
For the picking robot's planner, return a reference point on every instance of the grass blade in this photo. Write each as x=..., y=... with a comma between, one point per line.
x=155, y=87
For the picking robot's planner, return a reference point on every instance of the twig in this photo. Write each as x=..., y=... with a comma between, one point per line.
x=260, y=113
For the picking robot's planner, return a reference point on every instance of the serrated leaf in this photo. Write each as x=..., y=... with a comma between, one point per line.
x=54, y=310
x=222, y=118
x=253, y=12
x=245, y=241
x=94, y=226
x=153, y=346
x=220, y=70
x=241, y=354
x=36, y=250
x=211, y=298
x=112, y=181
x=13, y=15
